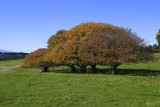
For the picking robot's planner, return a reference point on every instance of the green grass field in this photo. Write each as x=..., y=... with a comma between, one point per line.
x=148, y=66
x=11, y=63
x=29, y=88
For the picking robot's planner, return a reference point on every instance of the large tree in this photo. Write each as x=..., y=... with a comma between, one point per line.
x=99, y=43
x=125, y=47
x=107, y=44
x=77, y=40
x=55, y=46
x=36, y=59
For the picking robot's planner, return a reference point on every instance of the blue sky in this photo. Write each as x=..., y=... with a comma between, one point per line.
x=26, y=25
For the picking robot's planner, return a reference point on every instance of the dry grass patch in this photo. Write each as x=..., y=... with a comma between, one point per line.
x=148, y=80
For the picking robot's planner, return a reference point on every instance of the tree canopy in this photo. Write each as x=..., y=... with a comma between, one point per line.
x=51, y=41
x=36, y=59
x=90, y=44
x=98, y=43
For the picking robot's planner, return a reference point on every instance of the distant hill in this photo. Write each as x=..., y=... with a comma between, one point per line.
x=6, y=51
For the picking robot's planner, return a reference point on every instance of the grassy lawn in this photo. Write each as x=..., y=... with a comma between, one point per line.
x=28, y=88
x=148, y=66
x=11, y=63
x=33, y=89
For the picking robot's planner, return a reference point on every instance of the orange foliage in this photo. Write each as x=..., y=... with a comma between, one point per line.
x=52, y=41
x=36, y=59
x=98, y=43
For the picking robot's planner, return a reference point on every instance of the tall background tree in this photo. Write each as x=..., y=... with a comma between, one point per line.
x=153, y=49
x=158, y=39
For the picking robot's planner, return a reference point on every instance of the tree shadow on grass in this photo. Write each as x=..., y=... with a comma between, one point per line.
x=132, y=72
x=139, y=72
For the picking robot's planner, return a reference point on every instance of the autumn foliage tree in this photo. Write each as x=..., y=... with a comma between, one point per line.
x=52, y=41
x=36, y=59
x=98, y=43
x=56, y=54
x=126, y=47
x=89, y=44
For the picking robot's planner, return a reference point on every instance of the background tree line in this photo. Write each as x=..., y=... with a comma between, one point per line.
x=12, y=56
x=155, y=48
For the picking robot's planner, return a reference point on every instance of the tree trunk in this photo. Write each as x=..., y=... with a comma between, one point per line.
x=45, y=69
x=83, y=68
x=114, y=69
x=93, y=68
x=73, y=68
x=159, y=48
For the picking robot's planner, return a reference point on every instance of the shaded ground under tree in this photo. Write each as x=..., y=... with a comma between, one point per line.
x=133, y=72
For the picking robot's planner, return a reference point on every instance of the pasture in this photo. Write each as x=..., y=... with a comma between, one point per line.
x=32, y=88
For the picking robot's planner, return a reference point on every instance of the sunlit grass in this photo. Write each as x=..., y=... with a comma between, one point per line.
x=30, y=88
x=11, y=63
x=34, y=88
x=148, y=65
